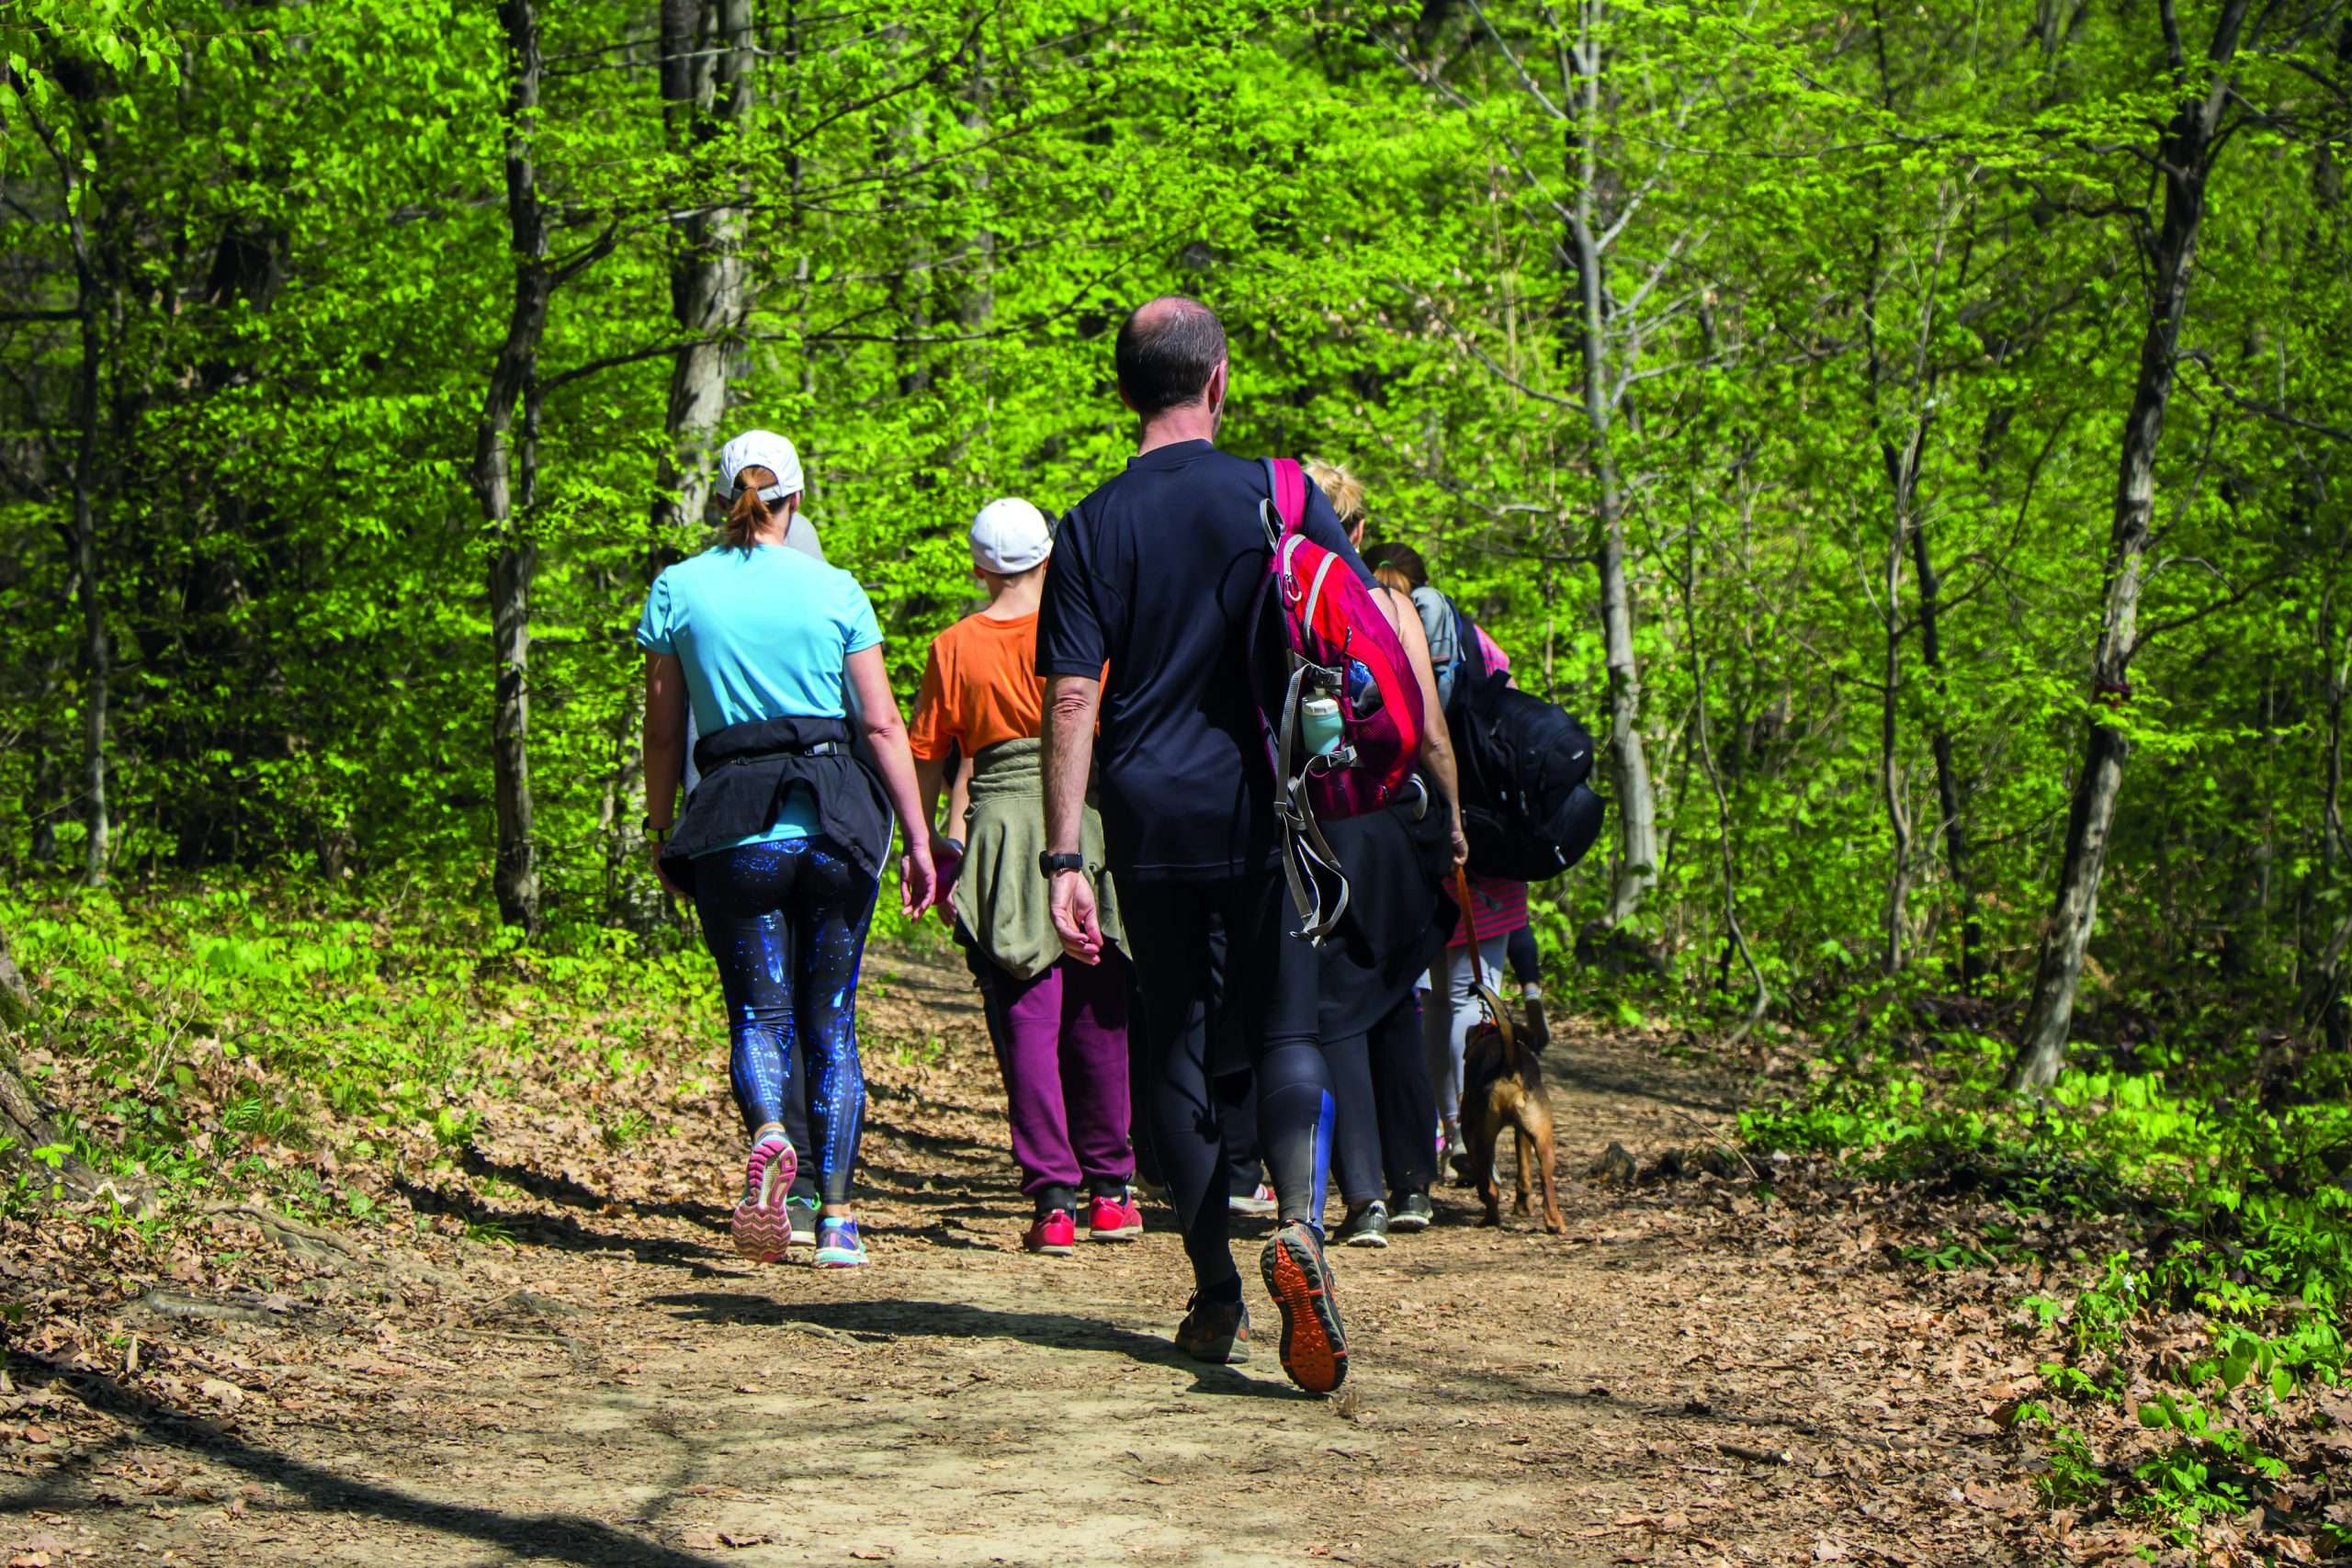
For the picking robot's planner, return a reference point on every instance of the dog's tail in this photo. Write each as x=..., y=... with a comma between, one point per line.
x=1504, y=1028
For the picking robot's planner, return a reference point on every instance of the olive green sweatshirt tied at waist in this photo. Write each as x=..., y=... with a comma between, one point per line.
x=999, y=895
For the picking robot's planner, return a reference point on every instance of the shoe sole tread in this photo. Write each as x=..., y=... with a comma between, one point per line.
x=761, y=1232
x=1313, y=1346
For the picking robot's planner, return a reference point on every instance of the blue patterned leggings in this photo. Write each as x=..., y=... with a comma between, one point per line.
x=787, y=922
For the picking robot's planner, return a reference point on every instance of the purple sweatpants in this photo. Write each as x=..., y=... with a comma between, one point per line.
x=1061, y=1039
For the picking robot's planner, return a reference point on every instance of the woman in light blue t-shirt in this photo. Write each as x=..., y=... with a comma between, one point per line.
x=782, y=843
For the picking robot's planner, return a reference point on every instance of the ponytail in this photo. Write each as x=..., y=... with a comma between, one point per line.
x=749, y=514
x=1393, y=579
x=1403, y=560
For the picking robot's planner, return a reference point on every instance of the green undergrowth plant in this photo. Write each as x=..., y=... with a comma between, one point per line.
x=206, y=1040
x=2175, y=1185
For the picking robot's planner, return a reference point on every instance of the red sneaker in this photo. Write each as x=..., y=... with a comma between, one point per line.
x=1261, y=1202
x=1114, y=1218
x=1054, y=1234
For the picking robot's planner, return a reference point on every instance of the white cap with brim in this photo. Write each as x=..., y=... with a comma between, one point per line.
x=1010, y=536
x=760, y=449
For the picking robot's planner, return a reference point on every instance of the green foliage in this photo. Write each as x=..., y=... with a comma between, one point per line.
x=2227, y=1201
x=202, y=1022
x=2212, y=1469
x=1828, y=233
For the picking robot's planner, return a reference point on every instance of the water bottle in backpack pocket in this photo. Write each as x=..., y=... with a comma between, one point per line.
x=1347, y=729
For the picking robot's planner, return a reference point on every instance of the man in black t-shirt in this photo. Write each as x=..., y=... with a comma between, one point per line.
x=1156, y=573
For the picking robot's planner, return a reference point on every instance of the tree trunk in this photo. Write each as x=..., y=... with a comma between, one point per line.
x=1949, y=800
x=706, y=69
x=496, y=470
x=97, y=659
x=16, y=1007
x=1629, y=760
x=707, y=62
x=97, y=664
x=1902, y=463
x=516, y=879
x=2186, y=155
x=2324, y=975
x=1890, y=760
x=25, y=1122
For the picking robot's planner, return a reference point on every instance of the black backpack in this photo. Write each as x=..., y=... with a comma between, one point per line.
x=1527, y=808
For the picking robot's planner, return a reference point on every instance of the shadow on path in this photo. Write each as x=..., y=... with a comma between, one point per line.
x=560, y=1231
x=961, y=1320
x=563, y=1536
x=563, y=1190
x=1563, y=1069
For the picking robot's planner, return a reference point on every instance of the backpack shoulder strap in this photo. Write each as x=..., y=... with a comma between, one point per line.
x=1285, y=511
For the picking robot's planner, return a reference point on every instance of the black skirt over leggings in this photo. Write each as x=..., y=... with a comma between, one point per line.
x=1369, y=1021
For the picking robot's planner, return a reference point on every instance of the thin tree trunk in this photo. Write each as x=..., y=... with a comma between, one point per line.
x=1629, y=761
x=1949, y=800
x=1706, y=750
x=1890, y=757
x=2323, y=979
x=2186, y=155
x=502, y=473
x=1903, y=463
x=97, y=662
x=96, y=653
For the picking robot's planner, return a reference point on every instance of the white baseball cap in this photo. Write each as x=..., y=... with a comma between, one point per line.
x=760, y=449
x=1010, y=537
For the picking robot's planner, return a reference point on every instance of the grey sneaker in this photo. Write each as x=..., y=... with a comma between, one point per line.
x=1366, y=1225
x=1410, y=1212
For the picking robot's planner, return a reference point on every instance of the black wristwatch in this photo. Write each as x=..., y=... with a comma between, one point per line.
x=654, y=835
x=1049, y=863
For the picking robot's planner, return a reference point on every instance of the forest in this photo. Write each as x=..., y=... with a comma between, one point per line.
x=1912, y=436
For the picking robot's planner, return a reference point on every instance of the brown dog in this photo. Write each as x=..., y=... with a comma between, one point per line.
x=1502, y=1088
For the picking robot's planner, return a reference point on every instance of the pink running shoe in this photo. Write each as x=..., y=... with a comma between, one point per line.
x=1055, y=1234
x=762, y=1224
x=1114, y=1218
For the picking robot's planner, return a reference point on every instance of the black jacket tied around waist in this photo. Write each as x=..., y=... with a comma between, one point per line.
x=746, y=771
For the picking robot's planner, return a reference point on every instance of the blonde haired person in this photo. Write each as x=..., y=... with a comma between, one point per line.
x=1395, y=860
x=782, y=842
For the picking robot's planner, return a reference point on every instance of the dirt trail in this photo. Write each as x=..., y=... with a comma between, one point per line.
x=1685, y=1376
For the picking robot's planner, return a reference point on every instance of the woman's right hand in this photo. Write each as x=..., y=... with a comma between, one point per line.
x=661, y=872
x=918, y=879
x=947, y=861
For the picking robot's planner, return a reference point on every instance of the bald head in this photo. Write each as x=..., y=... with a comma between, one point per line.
x=1167, y=352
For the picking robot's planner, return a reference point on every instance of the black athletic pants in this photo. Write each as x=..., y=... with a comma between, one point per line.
x=1208, y=953
x=1387, y=1110
x=1525, y=966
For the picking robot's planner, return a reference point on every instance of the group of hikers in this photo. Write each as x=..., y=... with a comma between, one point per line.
x=1193, y=980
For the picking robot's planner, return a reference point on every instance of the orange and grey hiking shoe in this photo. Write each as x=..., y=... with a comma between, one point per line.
x=1215, y=1332
x=1314, y=1348
x=762, y=1224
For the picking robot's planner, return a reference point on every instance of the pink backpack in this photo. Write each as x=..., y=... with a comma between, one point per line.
x=1348, y=731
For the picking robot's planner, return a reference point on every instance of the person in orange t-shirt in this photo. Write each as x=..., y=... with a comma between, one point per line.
x=1060, y=1026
